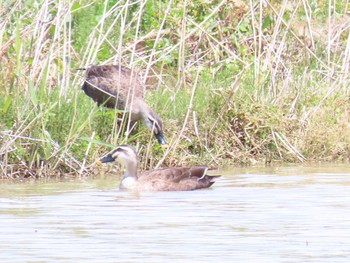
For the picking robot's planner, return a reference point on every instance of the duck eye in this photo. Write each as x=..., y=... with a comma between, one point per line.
x=155, y=125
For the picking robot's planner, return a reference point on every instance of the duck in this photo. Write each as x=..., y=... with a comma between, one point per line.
x=119, y=87
x=163, y=179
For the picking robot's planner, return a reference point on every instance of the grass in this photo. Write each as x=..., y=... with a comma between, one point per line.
x=235, y=83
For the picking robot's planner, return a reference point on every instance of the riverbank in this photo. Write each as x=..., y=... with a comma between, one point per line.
x=234, y=83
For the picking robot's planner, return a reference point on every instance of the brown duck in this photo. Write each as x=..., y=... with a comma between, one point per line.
x=166, y=179
x=118, y=87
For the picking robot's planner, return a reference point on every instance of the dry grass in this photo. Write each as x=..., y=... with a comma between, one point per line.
x=261, y=82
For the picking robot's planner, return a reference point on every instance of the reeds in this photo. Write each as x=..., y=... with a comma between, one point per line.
x=234, y=81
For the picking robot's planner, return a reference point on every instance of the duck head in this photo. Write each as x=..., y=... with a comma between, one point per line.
x=126, y=156
x=104, y=71
x=154, y=124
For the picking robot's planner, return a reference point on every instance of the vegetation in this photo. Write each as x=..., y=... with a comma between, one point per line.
x=234, y=81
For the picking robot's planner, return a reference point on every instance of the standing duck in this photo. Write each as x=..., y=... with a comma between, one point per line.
x=166, y=179
x=118, y=87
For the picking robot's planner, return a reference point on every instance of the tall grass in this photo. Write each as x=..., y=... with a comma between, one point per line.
x=235, y=82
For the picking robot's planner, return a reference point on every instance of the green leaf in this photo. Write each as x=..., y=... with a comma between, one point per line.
x=243, y=27
x=32, y=93
x=17, y=46
x=75, y=6
x=267, y=22
x=7, y=104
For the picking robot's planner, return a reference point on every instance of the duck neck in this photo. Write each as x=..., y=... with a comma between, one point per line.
x=144, y=110
x=131, y=170
x=129, y=180
x=151, y=119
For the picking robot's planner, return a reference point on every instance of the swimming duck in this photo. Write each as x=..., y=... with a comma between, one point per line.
x=118, y=87
x=166, y=179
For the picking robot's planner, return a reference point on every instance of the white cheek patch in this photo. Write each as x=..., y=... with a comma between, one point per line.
x=123, y=158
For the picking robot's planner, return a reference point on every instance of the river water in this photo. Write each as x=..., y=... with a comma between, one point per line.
x=284, y=214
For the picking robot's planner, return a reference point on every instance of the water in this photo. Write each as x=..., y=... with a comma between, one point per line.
x=290, y=214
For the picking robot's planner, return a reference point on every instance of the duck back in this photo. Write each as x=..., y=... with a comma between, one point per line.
x=113, y=86
x=175, y=179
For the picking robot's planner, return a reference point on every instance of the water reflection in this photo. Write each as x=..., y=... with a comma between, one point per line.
x=291, y=214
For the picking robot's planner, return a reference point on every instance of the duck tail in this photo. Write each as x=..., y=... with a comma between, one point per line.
x=212, y=178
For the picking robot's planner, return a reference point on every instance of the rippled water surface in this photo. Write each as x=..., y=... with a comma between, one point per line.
x=289, y=214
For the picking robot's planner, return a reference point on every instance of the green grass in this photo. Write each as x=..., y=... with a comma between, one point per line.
x=233, y=83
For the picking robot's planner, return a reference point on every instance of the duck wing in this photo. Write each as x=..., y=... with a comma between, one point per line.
x=102, y=91
x=176, y=179
x=112, y=85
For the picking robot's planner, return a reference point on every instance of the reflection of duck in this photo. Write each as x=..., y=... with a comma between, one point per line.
x=166, y=179
x=118, y=87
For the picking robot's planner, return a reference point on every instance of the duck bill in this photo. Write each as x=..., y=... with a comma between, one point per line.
x=160, y=138
x=107, y=159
